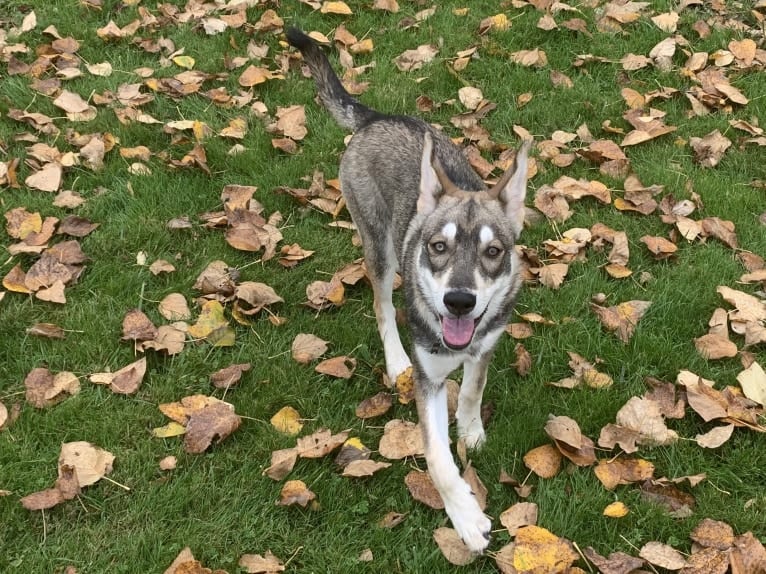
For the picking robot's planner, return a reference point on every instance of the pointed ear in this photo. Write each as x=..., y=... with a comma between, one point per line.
x=430, y=188
x=511, y=190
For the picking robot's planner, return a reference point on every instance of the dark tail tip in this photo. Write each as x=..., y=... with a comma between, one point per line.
x=298, y=39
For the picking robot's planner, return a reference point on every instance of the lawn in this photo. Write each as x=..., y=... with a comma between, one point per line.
x=216, y=97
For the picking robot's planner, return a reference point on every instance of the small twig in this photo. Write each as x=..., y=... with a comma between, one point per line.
x=294, y=555
x=117, y=483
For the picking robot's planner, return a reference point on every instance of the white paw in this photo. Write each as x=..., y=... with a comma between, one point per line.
x=470, y=522
x=473, y=434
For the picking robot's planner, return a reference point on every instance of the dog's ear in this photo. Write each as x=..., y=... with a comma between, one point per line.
x=430, y=187
x=511, y=190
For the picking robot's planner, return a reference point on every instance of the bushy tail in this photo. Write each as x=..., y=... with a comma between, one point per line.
x=347, y=111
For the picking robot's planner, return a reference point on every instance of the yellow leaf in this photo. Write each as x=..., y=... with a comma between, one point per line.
x=335, y=8
x=198, y=129
x=210, y=319
x=287, y=421
x=169, y=430
x=616, y=510
x=539, y=550
x=184, y=62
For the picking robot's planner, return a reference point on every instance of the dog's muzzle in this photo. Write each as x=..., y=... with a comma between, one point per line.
x=458, y=327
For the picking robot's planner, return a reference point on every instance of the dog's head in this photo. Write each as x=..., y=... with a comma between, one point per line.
x=467, y=262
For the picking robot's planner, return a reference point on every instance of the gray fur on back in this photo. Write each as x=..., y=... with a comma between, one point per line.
x=384, y=156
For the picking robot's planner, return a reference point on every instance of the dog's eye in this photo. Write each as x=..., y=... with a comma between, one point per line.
x=439, y=246
x=493, y=251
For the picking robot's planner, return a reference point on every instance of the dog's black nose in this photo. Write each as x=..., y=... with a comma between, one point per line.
x=459, y=302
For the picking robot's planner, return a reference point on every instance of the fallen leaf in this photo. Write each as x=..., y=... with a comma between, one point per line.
x=715, y=437
x=229, y=376
x=621, y=318
x=257, y=564
x=662, y=555
x=306, y=348
x=544, y=461
x=320, y=443
x=361, y=468
x=452, y=547
x=295, y=492
x=340, y=367
x=616, y=510
x=539, y=550
x=127, y=380
x=374, y=406
x=214, y=421
x=422, y=489
x=519, y=515
x=287, y=420
x=401, y=439
x=44, y=389
x=91, y=462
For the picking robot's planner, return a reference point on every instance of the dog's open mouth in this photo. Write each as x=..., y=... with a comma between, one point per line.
x=458, y=331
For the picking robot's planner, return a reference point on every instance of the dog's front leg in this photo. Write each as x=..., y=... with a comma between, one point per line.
x=460, y=503
x=469, y=424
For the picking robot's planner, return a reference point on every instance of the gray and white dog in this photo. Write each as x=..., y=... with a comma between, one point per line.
x=421, y=209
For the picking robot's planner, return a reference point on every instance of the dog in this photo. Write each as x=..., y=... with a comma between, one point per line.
x=423, y=211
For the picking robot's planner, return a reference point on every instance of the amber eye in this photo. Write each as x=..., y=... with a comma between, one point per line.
x=493, y=251
x=439, y=246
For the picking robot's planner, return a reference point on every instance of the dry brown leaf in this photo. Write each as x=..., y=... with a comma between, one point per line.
x=709, y=150
x=715, y=437
x=662, y=555
x=422, y=489
x=257, y=564
x=452, y=547
x=660, y=247
x=282, y=463
x=48, y=330
x=410, y=60
x=65, y=488
x=295, y=492
x=374, y=406
x=342, y=367
x=173, y=307
x=753, y=383
x=136, y=326
x=616, y=563
x=320, y=443
x=713, y=534
x=519, y=515
x=306, y=348
x=621, y=318
x=644, y=417
x=91, y=462
x=127, y=380
x=229, y=376
x=44, y=389
x=553, y=275
x=401, y=439
x=623, y=470
x=361, y=468
x=214, y=421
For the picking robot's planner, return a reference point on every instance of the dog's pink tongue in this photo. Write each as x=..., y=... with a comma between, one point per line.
x=458, y=331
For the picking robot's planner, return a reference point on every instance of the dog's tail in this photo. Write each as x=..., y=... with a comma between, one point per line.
x=346, y=110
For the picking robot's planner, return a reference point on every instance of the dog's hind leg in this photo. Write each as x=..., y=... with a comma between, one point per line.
x=469, y=424
x=459, y=501
x=382, y=271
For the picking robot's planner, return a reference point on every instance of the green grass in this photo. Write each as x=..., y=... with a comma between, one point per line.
x=218, y=503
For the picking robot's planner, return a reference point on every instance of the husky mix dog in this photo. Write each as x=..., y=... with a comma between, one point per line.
x=422, y=210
